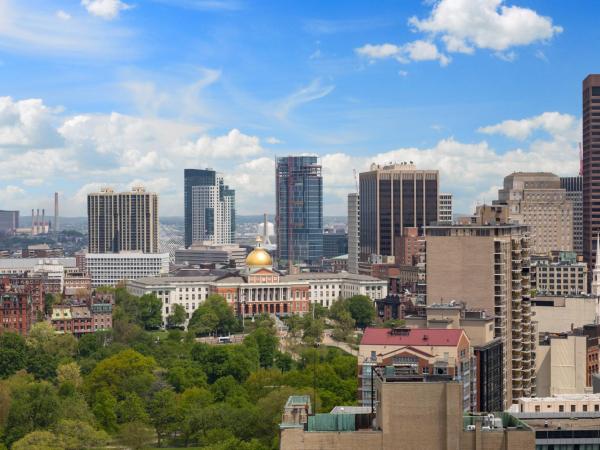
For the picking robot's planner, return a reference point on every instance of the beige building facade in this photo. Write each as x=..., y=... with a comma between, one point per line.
x=487, y=267
x=562, y=314
x=536, y=199
x=411, y=415
x=559, y=403
x=561, y=366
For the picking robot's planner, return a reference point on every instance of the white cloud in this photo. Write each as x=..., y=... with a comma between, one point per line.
x=232, y=145
x=105, y=9
x=413, y=51
x=62, y=15
x=273, y=140
x=558, y=125
x=11, y=193
x=466, y=25
x=487, y=24
x=314, y=91
x=27, y=123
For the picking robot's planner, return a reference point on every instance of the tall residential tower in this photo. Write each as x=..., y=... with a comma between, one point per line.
x=299, y=210
x=123, y=221
x=591, y=166
x=209, y=208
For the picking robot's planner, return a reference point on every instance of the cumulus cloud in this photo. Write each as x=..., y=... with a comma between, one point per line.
x=487, y=24
x=105, y=9
x=463, y=26
x=413, y=51
x=558, y=125
x=26, y=123
x=471, y=171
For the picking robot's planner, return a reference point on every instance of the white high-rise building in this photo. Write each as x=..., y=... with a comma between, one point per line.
x=213, y=213
x=353, y=232
x=445, y=209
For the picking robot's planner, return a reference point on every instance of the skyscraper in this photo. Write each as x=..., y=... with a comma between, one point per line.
x=124, y=221
x=209, y=208
x=536, y=199
x=574, y=189
x=591, y=166
x=445, y=209
x=353, y=232
x=394, y=197
x=488, y=267
x=299, y=210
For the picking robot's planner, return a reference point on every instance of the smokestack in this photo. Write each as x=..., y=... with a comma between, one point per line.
x=55, y=227
x=37, y=221
x=32, y=222
x=43, y=225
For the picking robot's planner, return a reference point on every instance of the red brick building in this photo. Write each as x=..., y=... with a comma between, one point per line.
x=22, y=301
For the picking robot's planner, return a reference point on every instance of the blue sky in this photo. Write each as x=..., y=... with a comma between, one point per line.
x=126, y=92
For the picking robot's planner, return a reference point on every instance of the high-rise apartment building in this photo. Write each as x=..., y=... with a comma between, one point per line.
x=123, y=221
x=353, y=232
x=574, y=191
x=487, y=268
x=536, y=199
x=9, y=221
x=591, y=166
x=299, y=210
x=209, y=208
x=394, y=197
x=445, y=209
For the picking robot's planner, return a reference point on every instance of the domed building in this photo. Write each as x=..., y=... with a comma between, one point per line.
x=259, y=257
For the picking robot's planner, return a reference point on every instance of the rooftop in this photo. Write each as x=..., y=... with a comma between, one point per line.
x=412, y=336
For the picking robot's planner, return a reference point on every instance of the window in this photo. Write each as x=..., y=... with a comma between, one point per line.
x=596, y=408
x=537, y=408
x=572, y=408
x=561, y=408
x=584, y=408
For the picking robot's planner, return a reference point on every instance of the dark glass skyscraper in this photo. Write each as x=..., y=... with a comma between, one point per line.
x=191, y=178
x=591, y=166
x=299, y=210
x=394, y=197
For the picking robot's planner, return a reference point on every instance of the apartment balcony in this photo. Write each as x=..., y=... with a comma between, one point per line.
x=517, y=358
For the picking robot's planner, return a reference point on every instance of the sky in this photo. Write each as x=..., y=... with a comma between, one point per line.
x=123, y=93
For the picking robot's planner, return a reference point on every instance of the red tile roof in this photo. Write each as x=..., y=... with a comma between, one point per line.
x=415, y=337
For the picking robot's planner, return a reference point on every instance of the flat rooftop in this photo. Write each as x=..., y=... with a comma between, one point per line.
x=566, y=423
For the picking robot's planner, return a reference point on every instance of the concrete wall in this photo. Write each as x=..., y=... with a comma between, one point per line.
x=461, y=268
x=575, y=313
x=561, y=367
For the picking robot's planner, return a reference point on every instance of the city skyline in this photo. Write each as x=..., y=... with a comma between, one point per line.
x=369, y=85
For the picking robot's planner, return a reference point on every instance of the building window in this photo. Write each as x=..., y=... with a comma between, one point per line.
x=572, y=408
x=584, y=408
x=561, y=408
x=537, y=408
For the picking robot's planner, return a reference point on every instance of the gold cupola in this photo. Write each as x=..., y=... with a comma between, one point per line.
x=259, y=257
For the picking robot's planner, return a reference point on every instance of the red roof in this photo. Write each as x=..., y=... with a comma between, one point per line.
x=412, y=336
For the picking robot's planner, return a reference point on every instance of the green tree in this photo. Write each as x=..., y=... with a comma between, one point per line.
x=69, y=373
x=125, y=372
x=266, y=342
x=132, y=409
x=104, y=408
x=13, y=354
x=136, y=435
x=313, y=330
x=39, y=440
x=213, y=315
x=149, y=311
x=362, y=310
x=164, y=414
x=177, y=316
x=344, y=325
x=76, y=435
x=34, y=405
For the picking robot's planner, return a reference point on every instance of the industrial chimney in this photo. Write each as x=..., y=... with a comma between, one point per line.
x=37, y=221
x=43, y=231
x=32, y=222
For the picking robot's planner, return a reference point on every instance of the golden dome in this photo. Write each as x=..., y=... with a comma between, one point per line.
x=259, y=257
